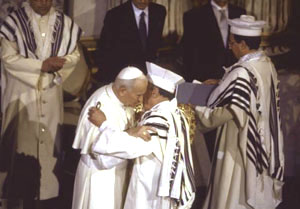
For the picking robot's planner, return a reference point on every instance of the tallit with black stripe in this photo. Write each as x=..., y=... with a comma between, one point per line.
x=19, y=27
x=264, y=142
x=177, y=174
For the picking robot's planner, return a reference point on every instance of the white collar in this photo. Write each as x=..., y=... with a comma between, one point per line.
x=213, y=3
x=138, y=11
x=251, y=56
x=248, y=57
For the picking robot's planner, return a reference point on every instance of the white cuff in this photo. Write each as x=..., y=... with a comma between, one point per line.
x=200, y=108
x=57, y=78
x=103, y=126
x=106, y=124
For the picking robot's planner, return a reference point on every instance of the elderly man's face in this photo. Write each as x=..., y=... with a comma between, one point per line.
x=141, y=4
x=134, y=96
x=41, y=7
x=148, y=102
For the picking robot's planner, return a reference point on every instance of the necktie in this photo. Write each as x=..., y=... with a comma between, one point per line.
x=143, y=30
x=224, y=26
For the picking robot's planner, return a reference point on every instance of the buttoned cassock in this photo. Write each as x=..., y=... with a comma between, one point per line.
x=32, y=103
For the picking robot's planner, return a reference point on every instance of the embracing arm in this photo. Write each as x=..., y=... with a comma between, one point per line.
x=127, y=144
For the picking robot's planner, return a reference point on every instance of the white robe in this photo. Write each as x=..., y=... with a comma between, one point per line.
x=144, y=188
x=100, y=181
x=32, y=105
x=244, y=174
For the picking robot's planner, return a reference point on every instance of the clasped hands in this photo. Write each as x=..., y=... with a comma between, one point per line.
x=53, y=64
x=97, y=117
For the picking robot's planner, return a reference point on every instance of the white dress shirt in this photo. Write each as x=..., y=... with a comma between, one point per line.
x=217, y=11
x=137, y=14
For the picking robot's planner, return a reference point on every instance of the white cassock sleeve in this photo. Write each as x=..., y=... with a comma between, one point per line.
x=113, y=142
x=210, y=119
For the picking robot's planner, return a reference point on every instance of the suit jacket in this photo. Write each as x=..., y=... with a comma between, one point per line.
x=204, y=53
x=120, y=44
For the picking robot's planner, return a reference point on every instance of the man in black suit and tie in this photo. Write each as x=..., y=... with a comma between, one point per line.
x=205, y=45
x=205, y=40
x=131, y=35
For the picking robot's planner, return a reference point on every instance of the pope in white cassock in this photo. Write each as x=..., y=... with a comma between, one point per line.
x=100, y=180
x=248, y=163
x=162, y=176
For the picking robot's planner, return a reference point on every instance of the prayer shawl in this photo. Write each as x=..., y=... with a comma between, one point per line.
x=32, y=101
x=152, y=159
x=21, y=27
x=248, y=162
x=177, y=175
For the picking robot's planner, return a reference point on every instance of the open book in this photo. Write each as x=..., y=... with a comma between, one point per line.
x=194, y=93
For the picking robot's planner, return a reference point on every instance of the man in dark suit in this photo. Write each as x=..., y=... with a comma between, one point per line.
x=205, y=45
x=131, y=35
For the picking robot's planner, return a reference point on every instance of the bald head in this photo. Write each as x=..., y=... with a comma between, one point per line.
x=130, y=85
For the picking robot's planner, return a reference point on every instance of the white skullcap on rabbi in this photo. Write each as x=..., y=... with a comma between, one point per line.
x=246, y=26
x=163, y=78
x=129, y=73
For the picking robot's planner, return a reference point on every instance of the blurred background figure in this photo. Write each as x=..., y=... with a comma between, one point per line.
x=131, y=35
x=205, y=45
x=37, y=58
x=205, y=40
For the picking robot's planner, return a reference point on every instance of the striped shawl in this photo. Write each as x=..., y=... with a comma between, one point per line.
x=21, y=27
x=177, y=175
x=260, y=137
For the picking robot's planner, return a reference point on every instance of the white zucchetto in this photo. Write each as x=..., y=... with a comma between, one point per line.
x=246, y=25
x=163, y=78
x=129, y=73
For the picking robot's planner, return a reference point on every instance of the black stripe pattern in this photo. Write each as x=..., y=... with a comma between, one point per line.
x=70, y=41
x=274, y=126
x=57, y=33
x=181, y=153
x=186, y=158
x=158, y=122
x=29, y=42
x=19, y=21
x=238, y=93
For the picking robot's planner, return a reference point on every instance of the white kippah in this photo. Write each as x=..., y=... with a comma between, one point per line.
x=246, y=26
x=129, y=73
x=163, y=78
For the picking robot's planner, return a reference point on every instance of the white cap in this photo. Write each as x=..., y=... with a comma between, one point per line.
x=163, y=78
x=129, y=73
x=246, y=26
